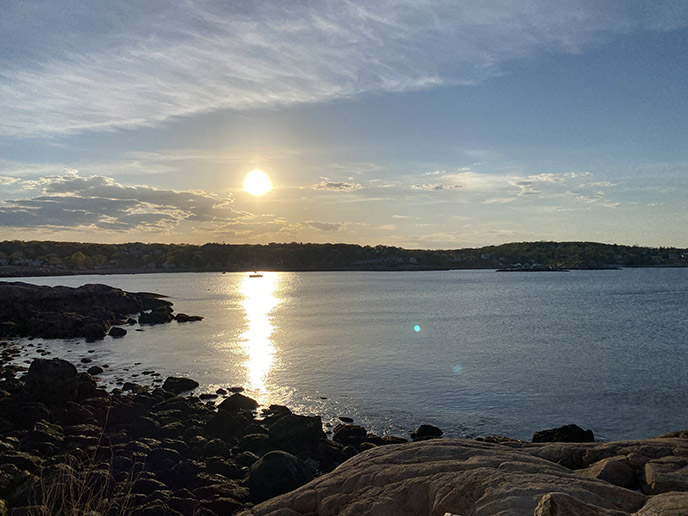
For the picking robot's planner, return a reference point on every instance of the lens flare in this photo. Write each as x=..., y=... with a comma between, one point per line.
x=416, y=328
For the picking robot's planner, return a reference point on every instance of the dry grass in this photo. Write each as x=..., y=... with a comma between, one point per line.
x=76, y=488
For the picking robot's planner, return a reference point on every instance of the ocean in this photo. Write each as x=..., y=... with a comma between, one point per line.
x=473, y=352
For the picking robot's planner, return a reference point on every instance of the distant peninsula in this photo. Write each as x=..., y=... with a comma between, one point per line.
x=45, y=258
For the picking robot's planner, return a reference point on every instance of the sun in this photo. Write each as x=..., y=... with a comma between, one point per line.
x=257, y=183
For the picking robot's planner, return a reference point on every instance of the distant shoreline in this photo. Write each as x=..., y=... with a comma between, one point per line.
x=40, y=272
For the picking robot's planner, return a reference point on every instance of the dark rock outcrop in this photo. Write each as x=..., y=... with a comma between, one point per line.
x=277, y=472
x=238, y=402
x=187, y=318
x=53, y=382
x=426, y=432
x=64, y=312
x=178, y=385
x=564, y=434
x=117, y=332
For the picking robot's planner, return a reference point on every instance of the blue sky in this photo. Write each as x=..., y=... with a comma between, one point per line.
x=431, y=124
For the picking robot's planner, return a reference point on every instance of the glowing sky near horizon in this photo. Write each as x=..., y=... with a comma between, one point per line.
x=421, y=124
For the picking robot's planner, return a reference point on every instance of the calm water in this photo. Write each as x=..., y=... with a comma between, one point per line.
x=506, y=353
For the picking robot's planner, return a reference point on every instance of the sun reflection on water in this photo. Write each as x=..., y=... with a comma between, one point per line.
x=259, y=300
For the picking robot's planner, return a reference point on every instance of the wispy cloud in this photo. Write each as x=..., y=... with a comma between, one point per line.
x=500, y=188
x=134, y=64
x=336, y=186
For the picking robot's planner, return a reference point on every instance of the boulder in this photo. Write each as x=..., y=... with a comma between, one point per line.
x=614, y=470
x=349, y=435
x=293, y=433
x=564, y=434
x=178, y=385
x=426, y=432
x=95, y=370
x=157, y=316
x=188, y=318
x=215, y=448
x=665, y=504
x=453, y=476
x=275, y=473
x=95, y=331
x=53, y=382
x=117, y=332
x=665, y=474
x=238, y=402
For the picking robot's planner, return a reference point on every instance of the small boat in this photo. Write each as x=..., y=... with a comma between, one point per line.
x=255, y=275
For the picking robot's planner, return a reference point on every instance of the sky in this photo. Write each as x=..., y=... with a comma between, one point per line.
x=420, y=124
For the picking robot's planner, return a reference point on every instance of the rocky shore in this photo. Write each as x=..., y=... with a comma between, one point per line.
x=69, y=446
x=67, y=443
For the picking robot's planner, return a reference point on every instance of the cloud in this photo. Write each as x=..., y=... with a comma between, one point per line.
x=6, y=180
x=502, y=188
x=75, y=202
x=335, y=186
x=325, y=226
x=69, y=67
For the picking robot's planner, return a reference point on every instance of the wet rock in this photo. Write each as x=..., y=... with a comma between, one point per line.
x=294, y=433
x=274, y=413
x=275, y=473
x=188, y=318
x=424, y=432
x=117, y=332
x=133, y=387
x=53, y=382
x=238, y=402
x=95, y=331
x=178, y=385
x=349, y=435
x=158, y=316
x=95, y=370
x=564, y=434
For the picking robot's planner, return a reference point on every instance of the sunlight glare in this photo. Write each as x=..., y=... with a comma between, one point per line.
x=259, y=301
x=257, y=183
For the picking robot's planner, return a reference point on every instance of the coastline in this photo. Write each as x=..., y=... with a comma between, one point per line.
x=180, y=452
x=164, y=448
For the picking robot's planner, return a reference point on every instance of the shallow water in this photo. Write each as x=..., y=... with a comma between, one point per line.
x=506, y=353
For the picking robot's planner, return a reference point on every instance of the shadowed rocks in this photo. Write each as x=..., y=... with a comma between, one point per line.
x=64, y=312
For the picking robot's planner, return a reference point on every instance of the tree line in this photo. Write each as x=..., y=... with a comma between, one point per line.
x=54, y=257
